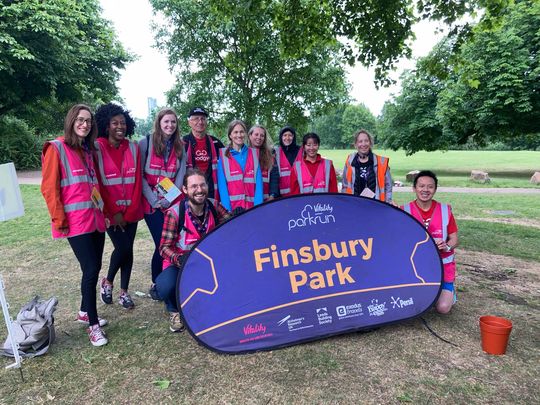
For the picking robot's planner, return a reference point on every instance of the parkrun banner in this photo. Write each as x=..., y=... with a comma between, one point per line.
x=305, y=268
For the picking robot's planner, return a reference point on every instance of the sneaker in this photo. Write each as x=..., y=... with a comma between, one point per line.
x=126, y=301
x=175, y=323
x=154, y=294
x=97, y=336
x=105, y=290
x=82, y=317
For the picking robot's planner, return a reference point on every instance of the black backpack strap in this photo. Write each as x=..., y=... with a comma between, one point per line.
x=213, y=209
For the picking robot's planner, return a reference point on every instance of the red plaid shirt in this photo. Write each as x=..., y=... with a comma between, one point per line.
x=170, y=233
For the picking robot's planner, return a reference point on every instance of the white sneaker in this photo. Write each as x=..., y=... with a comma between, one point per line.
x=82, y=317
x=97, y=336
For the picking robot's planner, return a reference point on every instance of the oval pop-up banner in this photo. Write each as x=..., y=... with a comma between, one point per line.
x=304, y=268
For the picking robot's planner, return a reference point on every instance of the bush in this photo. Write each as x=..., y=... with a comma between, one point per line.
x=18, y=144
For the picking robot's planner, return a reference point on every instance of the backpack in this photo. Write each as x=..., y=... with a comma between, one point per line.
x=33, y=330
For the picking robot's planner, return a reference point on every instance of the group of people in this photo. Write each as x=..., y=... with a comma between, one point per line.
x=96, y=180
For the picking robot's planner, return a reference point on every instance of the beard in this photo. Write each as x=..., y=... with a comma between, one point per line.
x=196, y=200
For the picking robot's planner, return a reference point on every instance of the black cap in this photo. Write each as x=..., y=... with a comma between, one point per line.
x=197, y=111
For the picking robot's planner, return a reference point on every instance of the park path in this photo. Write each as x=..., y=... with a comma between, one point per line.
x=34, y=177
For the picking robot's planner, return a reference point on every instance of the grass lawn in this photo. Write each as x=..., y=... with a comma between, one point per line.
x=505, y=168
x=498, y=273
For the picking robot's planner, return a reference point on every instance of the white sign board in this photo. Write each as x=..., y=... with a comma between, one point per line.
x=11, y=205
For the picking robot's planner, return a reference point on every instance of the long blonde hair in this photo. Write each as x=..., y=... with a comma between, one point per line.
x=158, y=137
x=266, y=159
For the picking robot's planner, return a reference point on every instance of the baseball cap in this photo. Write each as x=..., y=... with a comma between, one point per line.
x=197, y=111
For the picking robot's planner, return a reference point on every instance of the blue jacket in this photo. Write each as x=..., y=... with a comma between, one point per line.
x=241, y=158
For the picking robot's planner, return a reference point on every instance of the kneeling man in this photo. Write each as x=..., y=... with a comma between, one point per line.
x=184, y=224
x=441, y=225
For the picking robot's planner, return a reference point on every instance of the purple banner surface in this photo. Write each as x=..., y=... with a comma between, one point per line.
x=304, y=268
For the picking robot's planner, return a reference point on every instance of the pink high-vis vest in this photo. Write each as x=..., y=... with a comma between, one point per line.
x=317, y=184
x=119, y=181
x=438, y=228
x=188, y=235
x=266, y=183
x=155, y=169
x=285, y=170
x=76, y=185
x=214, y=163
x=240, y=184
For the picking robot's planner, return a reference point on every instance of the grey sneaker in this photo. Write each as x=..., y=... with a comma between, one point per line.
x=126, y=301
x=175, y=323
x=153, y=293
x=105, y=290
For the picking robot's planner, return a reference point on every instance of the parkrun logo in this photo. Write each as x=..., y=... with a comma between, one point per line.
x=313, y=215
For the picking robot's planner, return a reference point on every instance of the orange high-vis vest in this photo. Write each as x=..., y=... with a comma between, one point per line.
x=119, y=182
x=316, y=184
x=241, y=184
x=78, y=179
x=380, y=167
x=285, y=170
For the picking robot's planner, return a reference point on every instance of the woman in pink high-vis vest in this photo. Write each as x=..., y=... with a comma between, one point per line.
x=120, y=180
x=162, y=156
x=71, y=191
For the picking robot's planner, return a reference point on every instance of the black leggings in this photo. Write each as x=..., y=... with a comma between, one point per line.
x=122, y=255
x=88, y=249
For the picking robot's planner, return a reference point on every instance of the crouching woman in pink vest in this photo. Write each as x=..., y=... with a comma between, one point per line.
x=162, y=156
x=185, y=223
x=119, y=175
x=440, y=223
x=240, y=182
x=71, y=190
x=313, y=174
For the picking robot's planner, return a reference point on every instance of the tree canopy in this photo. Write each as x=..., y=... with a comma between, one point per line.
x=485, y=89
x=229, y=57
x=337, y=127
x=60, y=50
x=375, y=33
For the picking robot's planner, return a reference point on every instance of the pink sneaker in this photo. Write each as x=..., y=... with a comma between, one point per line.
x=97, y=336
x=82, y=317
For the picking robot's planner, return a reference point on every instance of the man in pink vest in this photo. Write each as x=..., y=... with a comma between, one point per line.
x=202, y=149
x=185, y=223
x=441, y=225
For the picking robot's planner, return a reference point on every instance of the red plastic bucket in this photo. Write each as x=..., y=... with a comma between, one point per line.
x=495, y=332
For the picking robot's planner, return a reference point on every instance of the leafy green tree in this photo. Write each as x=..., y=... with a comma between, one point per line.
x=228, y=56
x=409, y=122
x=497, y=91
x=486, y=89
x=376, y=33
x=61, y=49
x=328, y=127
x=354, y=118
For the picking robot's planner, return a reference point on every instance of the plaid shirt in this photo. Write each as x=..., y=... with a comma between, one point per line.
x=169, y=236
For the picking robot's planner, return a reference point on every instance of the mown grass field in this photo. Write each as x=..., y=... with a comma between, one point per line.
x=498, y=273
x=505, y=168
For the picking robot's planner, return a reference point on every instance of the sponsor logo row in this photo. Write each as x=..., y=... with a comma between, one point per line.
x=326, y=316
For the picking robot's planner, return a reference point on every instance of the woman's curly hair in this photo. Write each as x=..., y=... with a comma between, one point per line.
x=104, y=114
